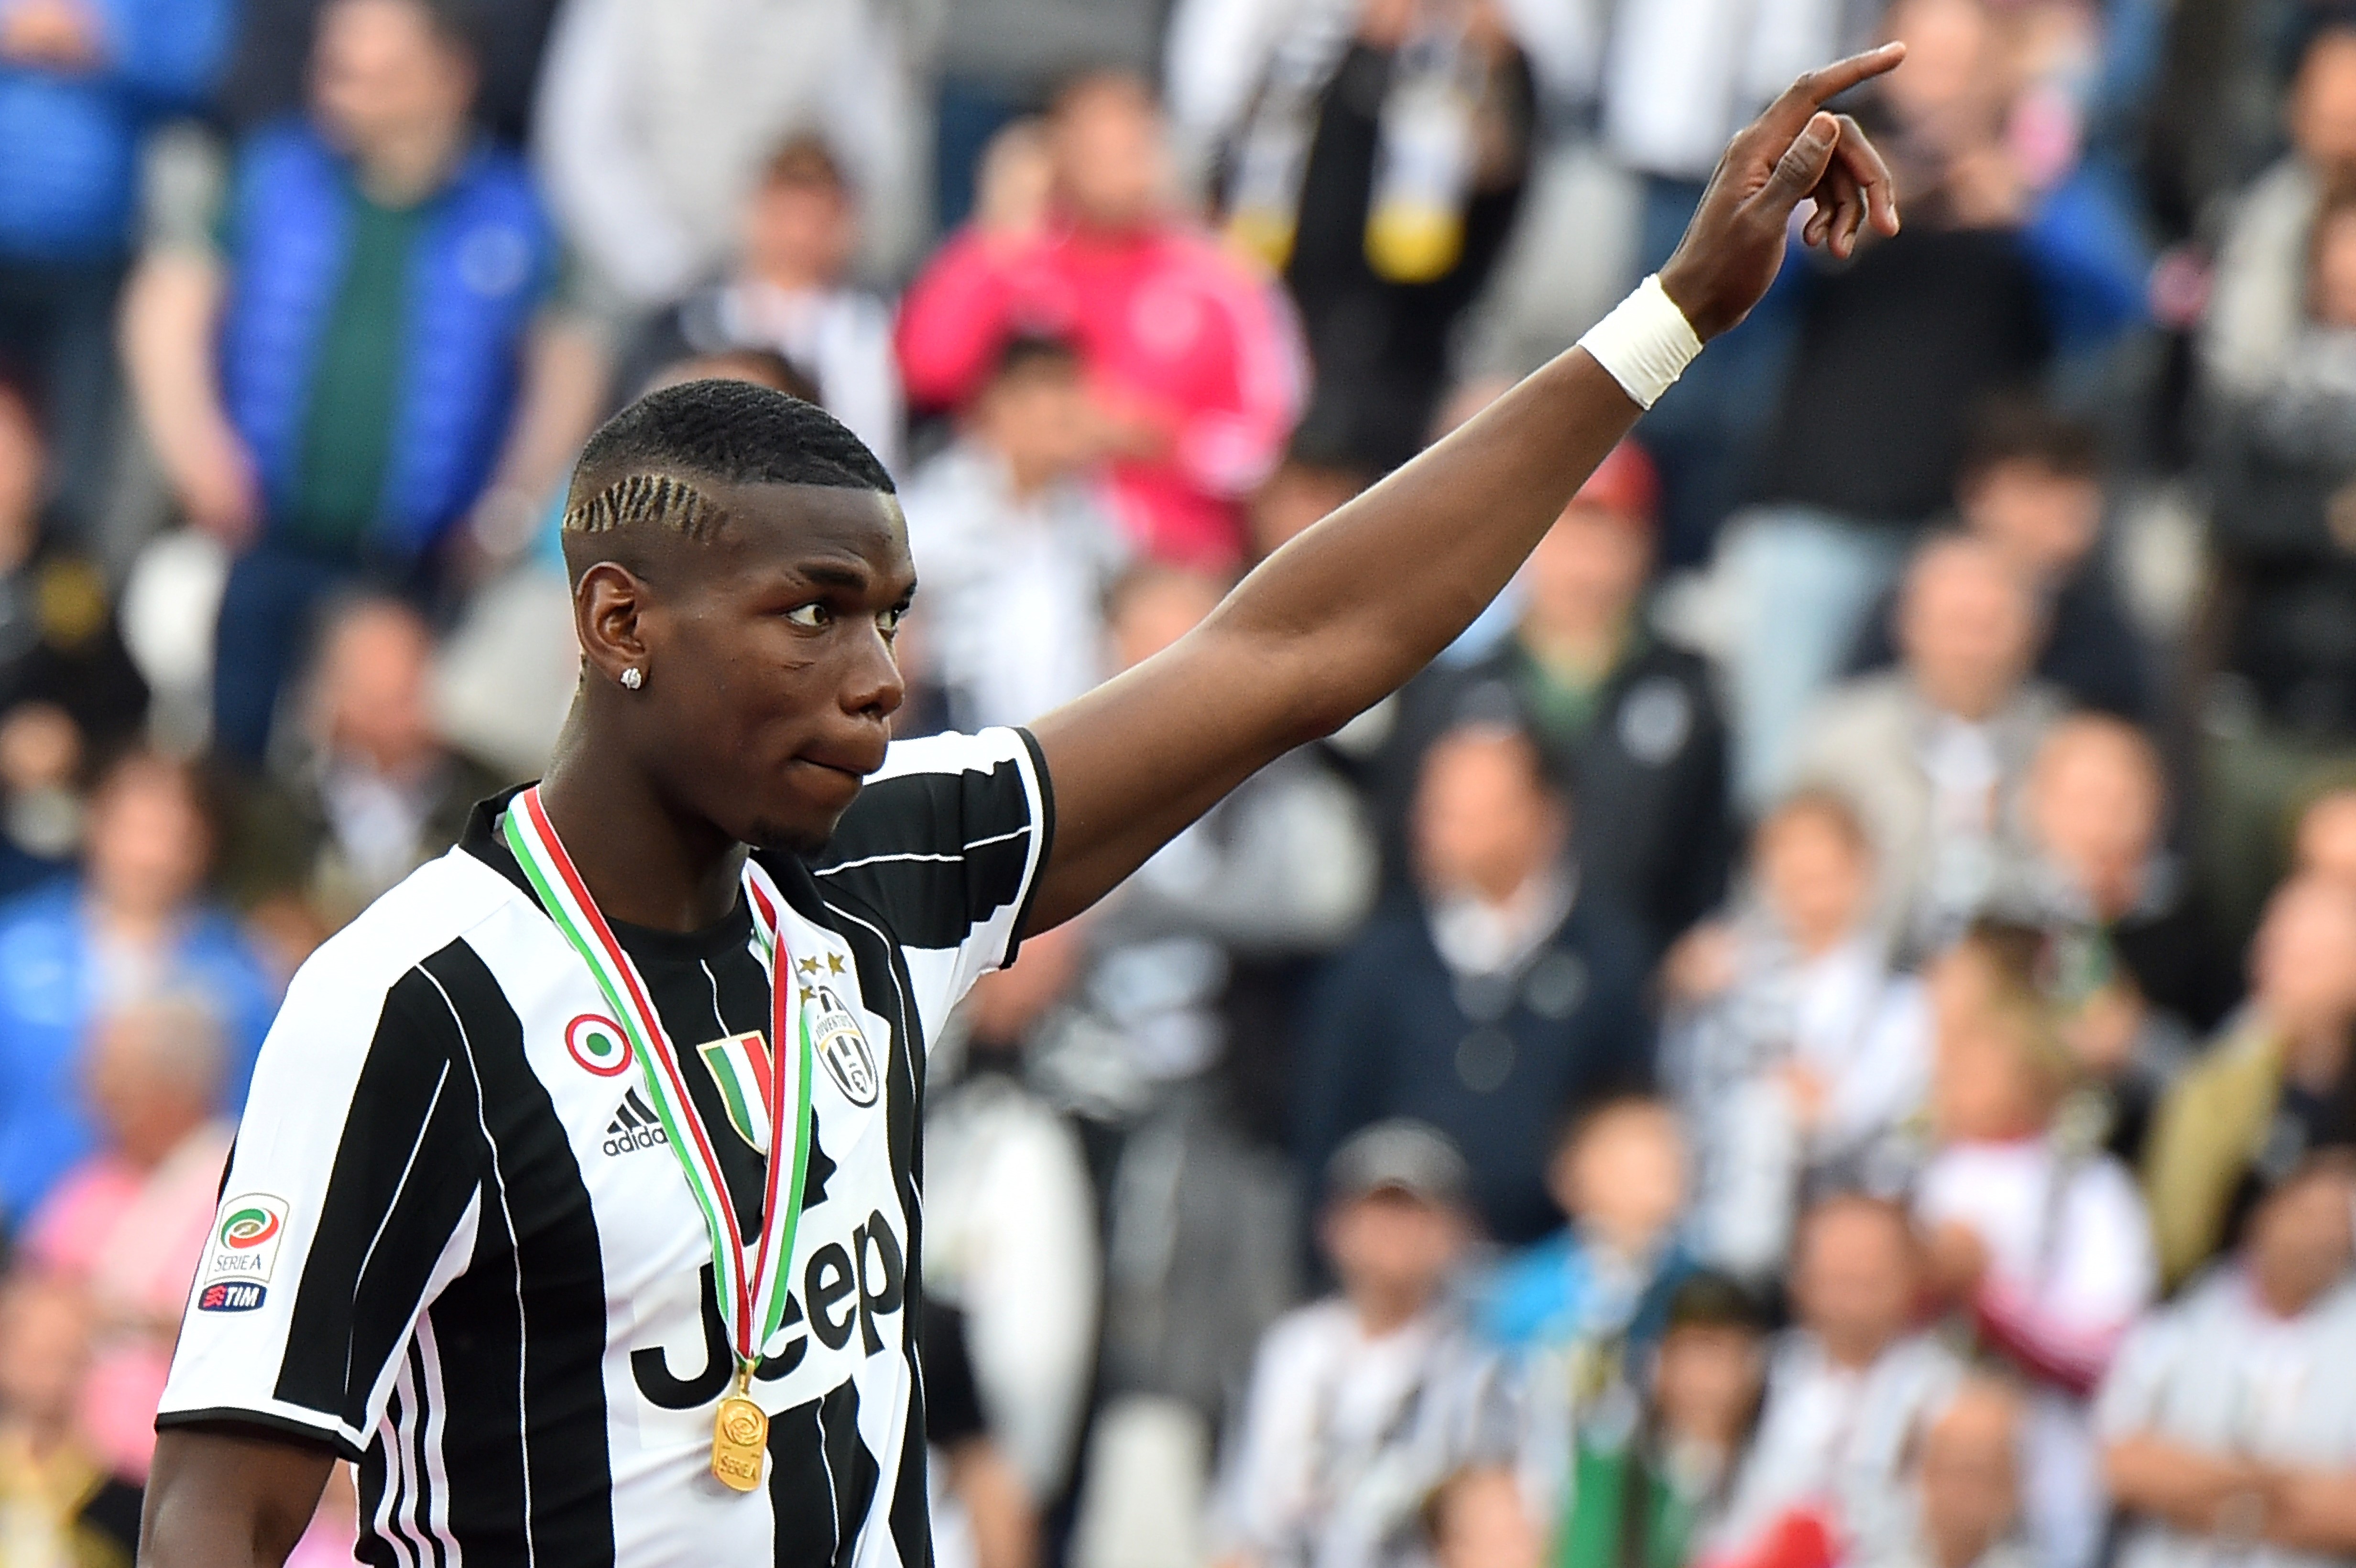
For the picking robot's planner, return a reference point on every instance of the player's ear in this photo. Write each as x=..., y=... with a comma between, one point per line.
x=608, y=604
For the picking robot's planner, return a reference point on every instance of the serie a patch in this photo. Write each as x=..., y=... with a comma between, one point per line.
x=243, y=1247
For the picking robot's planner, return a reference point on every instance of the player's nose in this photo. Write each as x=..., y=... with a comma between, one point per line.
x=872, y=687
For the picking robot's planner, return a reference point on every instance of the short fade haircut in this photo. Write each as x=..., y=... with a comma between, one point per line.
x=641, y=464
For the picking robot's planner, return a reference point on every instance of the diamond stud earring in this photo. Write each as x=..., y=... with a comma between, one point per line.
x=632, y=679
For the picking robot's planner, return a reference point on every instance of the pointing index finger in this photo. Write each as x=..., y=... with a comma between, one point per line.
x=1791, y=112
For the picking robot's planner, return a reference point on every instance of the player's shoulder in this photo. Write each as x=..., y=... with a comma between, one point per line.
x=435, y=905
x=936, y=796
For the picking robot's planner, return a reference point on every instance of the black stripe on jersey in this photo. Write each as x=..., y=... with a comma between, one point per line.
x=934, y=854
x=421, y=1454
x=880, y=961
x=378, y=1473
x=815, y=1451
x=410, y=1160
x=521, y=1334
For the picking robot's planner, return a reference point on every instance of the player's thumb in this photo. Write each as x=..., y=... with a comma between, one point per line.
x=1803, y=162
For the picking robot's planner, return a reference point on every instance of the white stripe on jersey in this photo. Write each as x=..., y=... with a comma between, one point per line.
x=500, y=1307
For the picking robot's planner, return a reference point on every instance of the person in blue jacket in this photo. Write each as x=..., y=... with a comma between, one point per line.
x=133, y=925
x=80, y=84
x=1505, y=993
x=364, y=376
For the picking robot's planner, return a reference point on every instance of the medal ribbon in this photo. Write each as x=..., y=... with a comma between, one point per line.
x=751, y=1292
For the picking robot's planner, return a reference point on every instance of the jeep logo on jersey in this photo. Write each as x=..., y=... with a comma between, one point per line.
x=842, y=1048
x=846, y=1286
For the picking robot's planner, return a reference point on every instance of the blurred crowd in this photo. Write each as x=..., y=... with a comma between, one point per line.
x=1819, y=1034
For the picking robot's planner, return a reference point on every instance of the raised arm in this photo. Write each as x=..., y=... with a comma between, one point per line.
x=1351, y=609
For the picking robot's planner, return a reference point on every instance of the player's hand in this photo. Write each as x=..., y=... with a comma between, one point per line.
x=1793, y=152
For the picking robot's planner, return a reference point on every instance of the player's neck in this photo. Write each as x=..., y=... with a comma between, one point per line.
x=646, y=862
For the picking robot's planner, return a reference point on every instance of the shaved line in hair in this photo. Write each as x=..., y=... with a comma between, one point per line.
x=636, y=498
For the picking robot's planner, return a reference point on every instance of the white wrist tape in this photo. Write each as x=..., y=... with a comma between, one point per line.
x=1647, y=343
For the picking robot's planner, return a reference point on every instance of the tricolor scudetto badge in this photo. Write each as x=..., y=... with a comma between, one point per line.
x=740, y=1065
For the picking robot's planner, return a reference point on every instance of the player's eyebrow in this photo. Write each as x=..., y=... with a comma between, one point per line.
x=832, y=574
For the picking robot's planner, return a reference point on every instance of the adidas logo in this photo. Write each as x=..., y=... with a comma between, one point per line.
x=635, y=1127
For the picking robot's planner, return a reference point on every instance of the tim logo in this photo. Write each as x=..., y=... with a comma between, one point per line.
x=232, y=1296
x=841, y=1049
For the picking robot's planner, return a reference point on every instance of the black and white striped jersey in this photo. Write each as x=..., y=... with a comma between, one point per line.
x=453, y=1244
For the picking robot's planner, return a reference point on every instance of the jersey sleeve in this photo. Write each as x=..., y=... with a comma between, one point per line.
x=947, y=843
x=349, y=1201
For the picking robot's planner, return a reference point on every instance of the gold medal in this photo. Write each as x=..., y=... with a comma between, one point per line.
x=740, y=1434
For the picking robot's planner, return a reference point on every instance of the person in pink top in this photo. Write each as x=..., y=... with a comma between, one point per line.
x=1194, y=360
x=130, y=1225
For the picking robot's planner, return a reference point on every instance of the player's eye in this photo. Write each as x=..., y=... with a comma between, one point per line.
x=811, y=616
x=888, y=622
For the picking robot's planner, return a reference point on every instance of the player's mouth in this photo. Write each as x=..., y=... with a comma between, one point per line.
x=840, y=771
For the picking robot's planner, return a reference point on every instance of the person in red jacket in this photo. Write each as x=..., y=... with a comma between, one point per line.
x=1194, y=361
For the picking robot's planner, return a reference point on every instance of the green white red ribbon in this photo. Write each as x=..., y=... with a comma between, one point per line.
x=752, y=1288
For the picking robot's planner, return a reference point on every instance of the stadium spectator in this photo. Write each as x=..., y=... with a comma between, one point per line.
x=1619, y=1175
x=657, y=118
x=1361, y=1403
x=1191, y=358
x=130, y=1225
x=1380, y=166
x=1315, y=479
x=2143, y=975
x=2031, y=485
x=1010, y=1231
x=1648, y=1492
x=1019, y=550
x=2265, y=266
x=1196, y=964
x=1894, y=355
x=1797, y=1053
x=2097, y=811
x=2037, y=1239
x=264, y=79
x=1968, y=1483
x=367, y=359
x=1497, y=999
x=2275, y=1087
x=999, y=61
x=2227, y=1420
x=2280, y=700
x=80, y=84
x=2324, y=842
x=57, y=1503
x=1628, y=717
x=69, y=692
x=1933, y=754
x=1579, y=1314
x=378, y=793
x=132, y=927
x=1477, y=1519
x=1848, y=1391
x=788, y=292
x=982, y=1513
